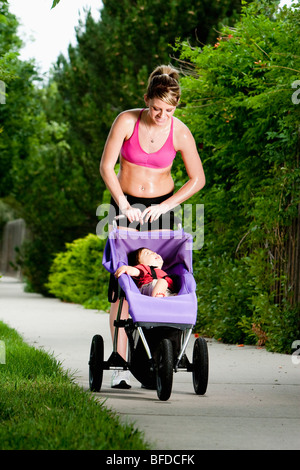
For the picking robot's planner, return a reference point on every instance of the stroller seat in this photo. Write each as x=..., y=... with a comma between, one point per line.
x=175, y=247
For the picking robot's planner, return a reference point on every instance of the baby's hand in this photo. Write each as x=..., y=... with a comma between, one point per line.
x=121, y=270
x=130, y=270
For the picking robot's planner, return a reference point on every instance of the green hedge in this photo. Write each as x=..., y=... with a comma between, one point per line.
x=239, y=100
x=236, y=304
x=77, y=274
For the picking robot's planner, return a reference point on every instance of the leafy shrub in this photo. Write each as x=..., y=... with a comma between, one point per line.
x=236, y=303
x=237, y=101
x=224, y=297
x=77, y=274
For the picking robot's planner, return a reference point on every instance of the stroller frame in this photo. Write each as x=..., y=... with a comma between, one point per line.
x=155, y=350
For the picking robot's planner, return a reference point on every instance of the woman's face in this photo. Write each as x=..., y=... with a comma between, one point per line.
x=160, y=112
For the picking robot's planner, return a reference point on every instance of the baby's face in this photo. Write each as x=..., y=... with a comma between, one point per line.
x=150, y=258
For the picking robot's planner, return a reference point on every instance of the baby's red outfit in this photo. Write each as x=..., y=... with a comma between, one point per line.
x=149, y=273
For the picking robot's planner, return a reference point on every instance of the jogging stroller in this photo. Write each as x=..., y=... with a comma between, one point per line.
x=158, y=329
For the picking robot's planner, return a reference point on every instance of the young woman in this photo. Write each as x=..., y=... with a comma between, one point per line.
x=146, y=141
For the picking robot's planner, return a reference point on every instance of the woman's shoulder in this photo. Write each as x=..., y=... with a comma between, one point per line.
x=125, y=121
x=179, y=125
x=129, y=116
x=182, y=133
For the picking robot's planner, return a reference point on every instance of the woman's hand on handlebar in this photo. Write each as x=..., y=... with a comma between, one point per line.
x=154, y=212
x=133, y=215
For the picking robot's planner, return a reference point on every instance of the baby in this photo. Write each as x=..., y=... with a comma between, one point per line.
x=147, y=273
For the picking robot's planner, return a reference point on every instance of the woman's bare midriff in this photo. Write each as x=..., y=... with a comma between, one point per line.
x=140, y=181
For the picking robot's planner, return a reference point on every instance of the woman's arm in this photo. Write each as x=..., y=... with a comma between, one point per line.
x=184, y=142
x=109, y=159
x=121, y=129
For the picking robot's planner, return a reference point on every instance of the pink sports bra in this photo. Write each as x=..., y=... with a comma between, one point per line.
x=133, y=152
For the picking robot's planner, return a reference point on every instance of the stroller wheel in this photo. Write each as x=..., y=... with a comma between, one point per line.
x=200, y=366
x=96, y=363
x=164, y=372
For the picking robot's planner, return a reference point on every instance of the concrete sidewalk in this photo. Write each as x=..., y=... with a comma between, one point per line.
x=253, y=396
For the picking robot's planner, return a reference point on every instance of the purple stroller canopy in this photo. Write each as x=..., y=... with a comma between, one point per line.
x=175, y=247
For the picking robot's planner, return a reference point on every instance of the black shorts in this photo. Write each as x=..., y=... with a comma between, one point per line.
x=164, y=222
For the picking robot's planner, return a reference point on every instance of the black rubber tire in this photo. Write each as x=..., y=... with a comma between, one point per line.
x=96, y=363
x=164, y=370
x=200, y=366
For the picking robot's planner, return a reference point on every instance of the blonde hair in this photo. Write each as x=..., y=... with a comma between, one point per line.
x=163, y=83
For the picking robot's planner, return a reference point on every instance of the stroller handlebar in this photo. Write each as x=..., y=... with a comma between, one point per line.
x=122, y=216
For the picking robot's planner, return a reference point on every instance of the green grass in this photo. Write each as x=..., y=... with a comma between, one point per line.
x=42, y=408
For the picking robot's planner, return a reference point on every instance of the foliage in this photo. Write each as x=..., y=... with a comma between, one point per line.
x=55, y=2
x=77, y=274
x=236, y=303
x=55, y=204
x=238, y=103
x=10, y=43
x=52, y=137
x=15, y=120
x=41, y=408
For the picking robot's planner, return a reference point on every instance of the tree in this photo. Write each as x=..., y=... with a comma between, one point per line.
x=59, y=214
x=39, y=181
x=55, y=2
x=10, y=43
x=15, y=120
x=238, y=103
x=53, y=177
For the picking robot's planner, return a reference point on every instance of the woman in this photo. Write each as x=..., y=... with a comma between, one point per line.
x=147, y=141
